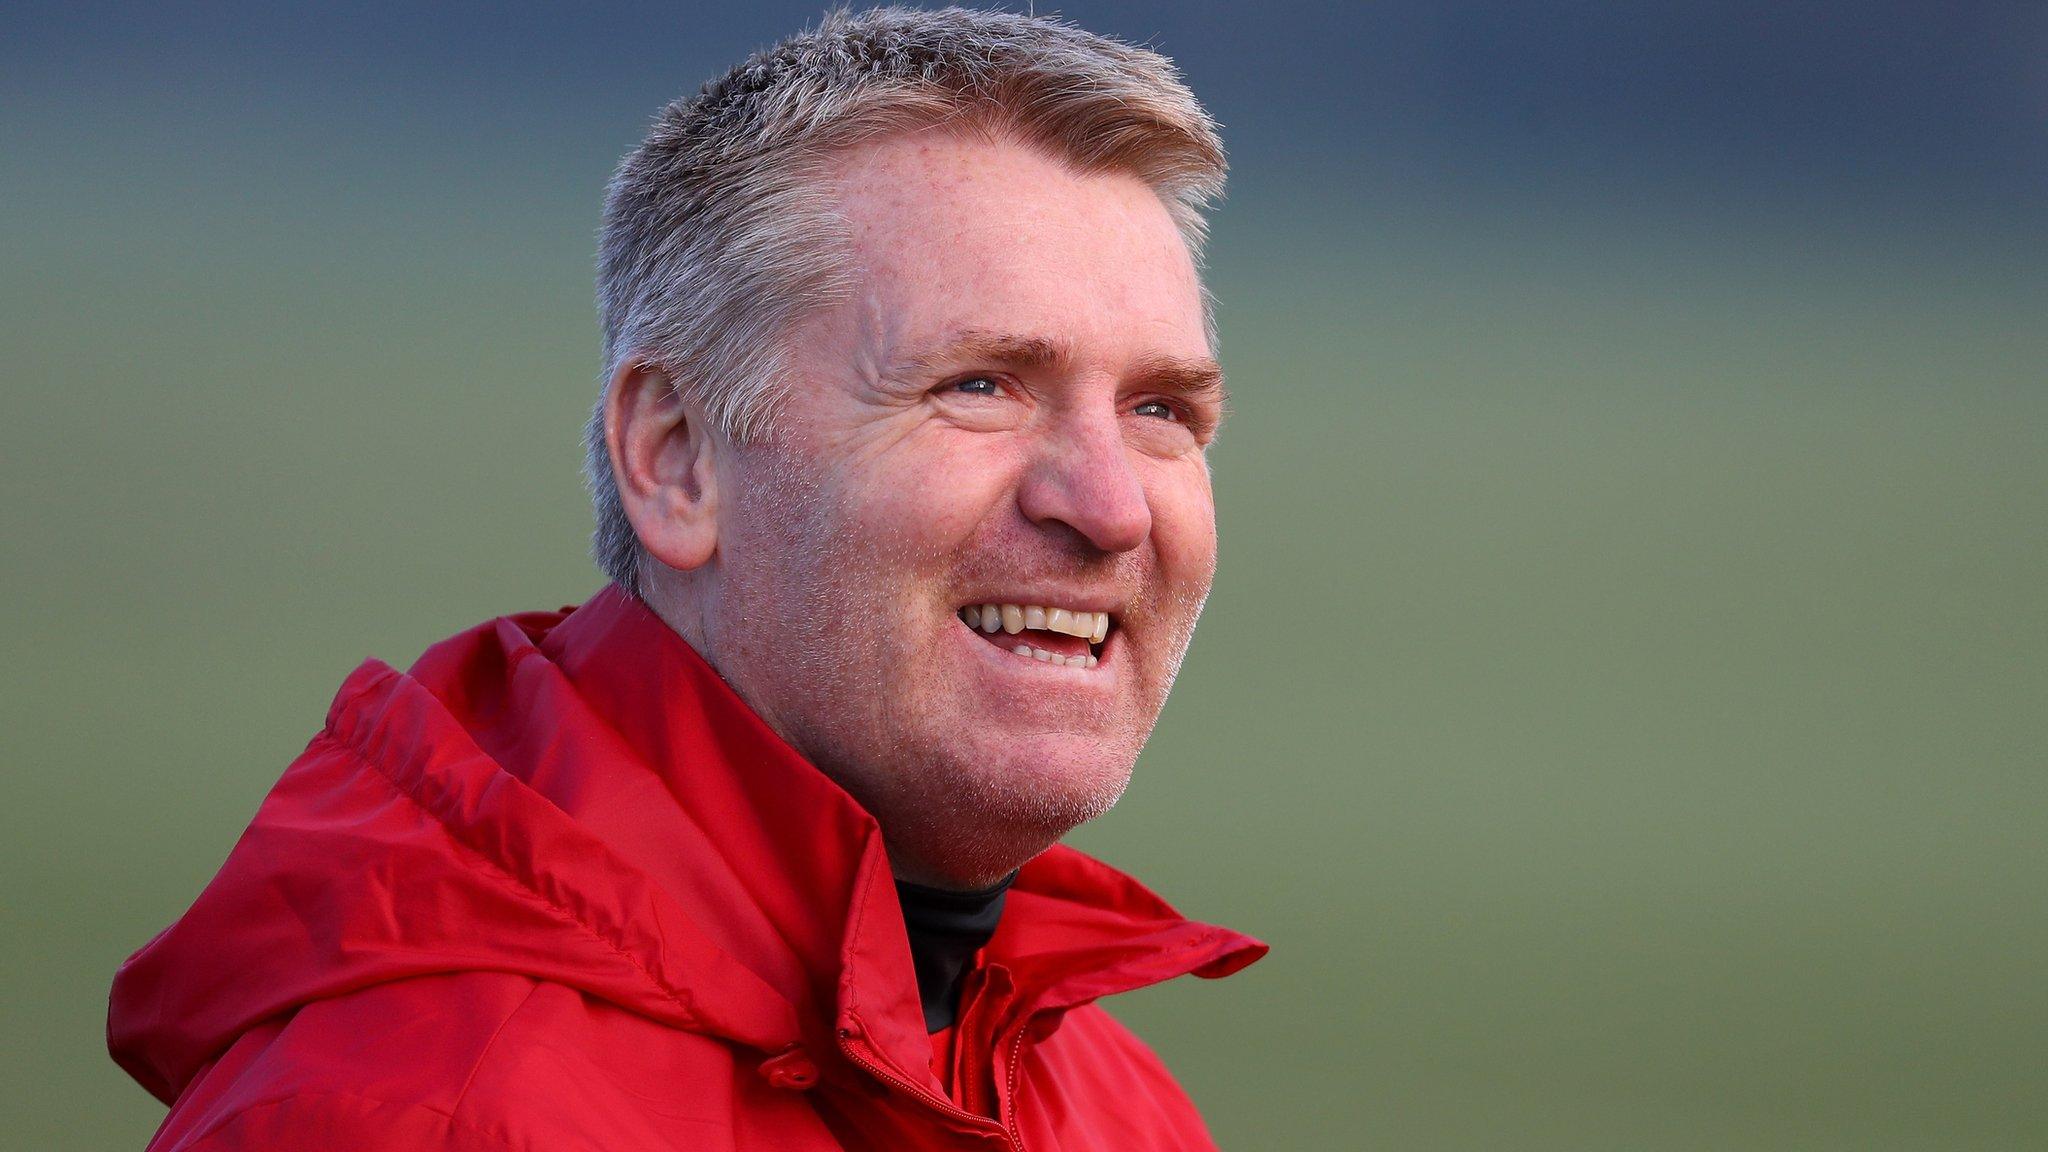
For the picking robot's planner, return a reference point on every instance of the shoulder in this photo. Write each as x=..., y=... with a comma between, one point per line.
x=333, y=1122
x=481, y=1061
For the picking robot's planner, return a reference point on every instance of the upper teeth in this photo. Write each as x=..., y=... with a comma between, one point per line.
x=1014, y=618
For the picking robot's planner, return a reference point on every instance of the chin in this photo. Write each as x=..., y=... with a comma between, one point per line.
x=1052, y=803
x=970, y=822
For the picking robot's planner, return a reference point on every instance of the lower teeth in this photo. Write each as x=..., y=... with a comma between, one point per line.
x=1079, y=660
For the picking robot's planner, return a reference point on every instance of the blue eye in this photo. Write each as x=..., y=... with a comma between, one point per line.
x=978, y=386
x=1156, y=408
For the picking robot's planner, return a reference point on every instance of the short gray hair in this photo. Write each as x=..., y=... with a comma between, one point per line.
x=719, y=232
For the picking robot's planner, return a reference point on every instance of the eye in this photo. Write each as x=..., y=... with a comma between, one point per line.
x=1156, y=408
x=976, y=386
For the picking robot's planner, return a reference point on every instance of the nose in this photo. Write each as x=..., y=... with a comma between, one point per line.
x=1083, y=477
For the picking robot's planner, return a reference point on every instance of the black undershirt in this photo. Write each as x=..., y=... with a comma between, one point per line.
x=946, y=930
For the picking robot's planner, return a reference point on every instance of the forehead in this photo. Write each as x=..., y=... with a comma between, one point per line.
x=952, y=233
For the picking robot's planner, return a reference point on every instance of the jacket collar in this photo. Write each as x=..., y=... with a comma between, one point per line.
x=821, y=917
x=813, y=860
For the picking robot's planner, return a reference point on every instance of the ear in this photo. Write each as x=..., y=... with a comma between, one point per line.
x=663, y=455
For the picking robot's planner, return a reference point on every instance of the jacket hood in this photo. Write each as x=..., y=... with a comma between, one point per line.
x=577, y=797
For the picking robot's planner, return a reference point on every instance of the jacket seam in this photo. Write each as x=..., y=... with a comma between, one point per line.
x=507, y=876
x=484, y=1053
x=860, y=916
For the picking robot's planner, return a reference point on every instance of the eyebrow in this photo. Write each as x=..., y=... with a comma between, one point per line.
x=1197, y=378
x=984, y=346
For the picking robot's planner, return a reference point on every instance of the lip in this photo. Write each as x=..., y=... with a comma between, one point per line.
x=1006, y=662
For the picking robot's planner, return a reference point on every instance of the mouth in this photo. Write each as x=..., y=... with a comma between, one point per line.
x=1060, y=636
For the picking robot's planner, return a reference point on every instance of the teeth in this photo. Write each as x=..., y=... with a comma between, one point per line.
x=1014, y=618
x=1082, y=624
x=1041, y=655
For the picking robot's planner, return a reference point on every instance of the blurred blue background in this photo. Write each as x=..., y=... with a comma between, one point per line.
x=1622, y=704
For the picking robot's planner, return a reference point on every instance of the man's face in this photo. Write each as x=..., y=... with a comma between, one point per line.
x=1012, y=410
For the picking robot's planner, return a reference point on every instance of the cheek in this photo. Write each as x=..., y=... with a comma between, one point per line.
x=1184, y=526
x=929, y=502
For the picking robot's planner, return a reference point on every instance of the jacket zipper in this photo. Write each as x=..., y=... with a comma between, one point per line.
x=1016, y=1064
x=918, y=1091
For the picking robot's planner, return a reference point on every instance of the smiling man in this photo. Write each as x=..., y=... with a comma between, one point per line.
x=901, y=483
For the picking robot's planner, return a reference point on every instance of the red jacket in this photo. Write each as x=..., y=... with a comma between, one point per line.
x=559, y=889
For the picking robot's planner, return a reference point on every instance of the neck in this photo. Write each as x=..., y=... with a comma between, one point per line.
x=947, y=928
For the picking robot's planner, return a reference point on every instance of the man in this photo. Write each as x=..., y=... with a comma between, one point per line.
x=901, y=486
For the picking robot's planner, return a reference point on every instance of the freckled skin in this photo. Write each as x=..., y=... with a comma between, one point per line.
x=890, y=494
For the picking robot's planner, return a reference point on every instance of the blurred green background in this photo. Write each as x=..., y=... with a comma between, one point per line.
x=1622, y=702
